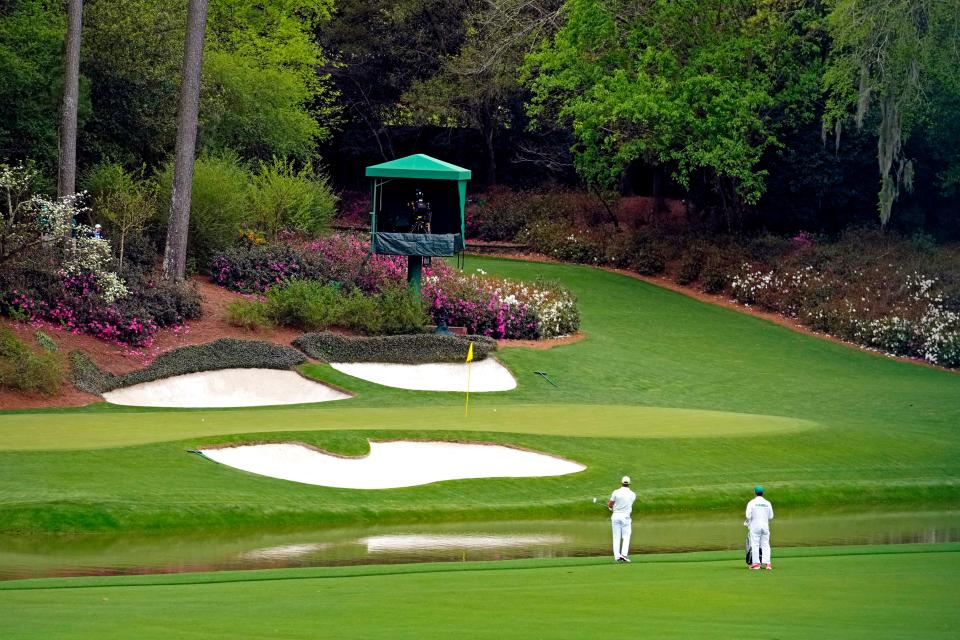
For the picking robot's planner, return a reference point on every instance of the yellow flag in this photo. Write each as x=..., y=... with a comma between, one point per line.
x=466, y=406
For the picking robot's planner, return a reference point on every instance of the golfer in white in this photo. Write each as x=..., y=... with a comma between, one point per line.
x=759, y=514
x=621, y=504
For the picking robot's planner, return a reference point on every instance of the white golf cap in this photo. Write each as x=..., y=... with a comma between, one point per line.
x=625, y=480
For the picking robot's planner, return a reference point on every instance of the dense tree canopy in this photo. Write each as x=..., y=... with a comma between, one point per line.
x=698, y=85
x=749, y=104
x=901, y=60
x=31, y=59
x=379, y=48
x=261, y=95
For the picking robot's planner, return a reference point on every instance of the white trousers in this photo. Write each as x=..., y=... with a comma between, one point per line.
x=621, y=535
x=760, y=542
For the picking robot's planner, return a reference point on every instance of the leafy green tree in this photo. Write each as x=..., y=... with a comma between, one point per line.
x=478, y=87
x=898, y=59
x=123, y=201
x=379, y=48
x=285, y=197
x=31, y=66
x=261, y=94
x=219, y=203
x=132, y=55
x=700, y=86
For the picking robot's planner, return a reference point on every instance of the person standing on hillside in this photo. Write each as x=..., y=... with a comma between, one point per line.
x=621, y=504
x=759, y=514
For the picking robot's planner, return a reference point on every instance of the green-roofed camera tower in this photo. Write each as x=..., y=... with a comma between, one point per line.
x=417, y=210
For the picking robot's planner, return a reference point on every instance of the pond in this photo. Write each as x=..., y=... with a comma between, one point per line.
x=36, y=556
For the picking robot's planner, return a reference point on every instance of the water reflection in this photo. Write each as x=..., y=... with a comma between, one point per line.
x=26, y=556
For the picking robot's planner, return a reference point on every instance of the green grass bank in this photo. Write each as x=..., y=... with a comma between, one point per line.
x=697, y=403
x=905, y=591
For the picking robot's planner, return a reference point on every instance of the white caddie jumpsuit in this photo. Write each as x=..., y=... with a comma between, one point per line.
x=759, y=514
x=622, y=499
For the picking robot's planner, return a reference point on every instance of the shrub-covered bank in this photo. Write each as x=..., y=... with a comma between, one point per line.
x=225, y=353
x=413, y=349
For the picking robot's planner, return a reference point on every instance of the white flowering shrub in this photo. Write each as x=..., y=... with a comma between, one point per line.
x=86, y=254
x=29, y=223
x=884, y=309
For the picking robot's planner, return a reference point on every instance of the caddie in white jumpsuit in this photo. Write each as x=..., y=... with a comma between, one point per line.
x=759, y=514
x=621, y=504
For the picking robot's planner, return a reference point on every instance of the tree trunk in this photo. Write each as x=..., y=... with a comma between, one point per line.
x=488, y=136
x=175, y=254
x=67, y=173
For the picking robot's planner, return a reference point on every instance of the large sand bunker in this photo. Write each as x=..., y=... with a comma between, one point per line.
x=225, y=388
x=391, y=464
x=484, y=375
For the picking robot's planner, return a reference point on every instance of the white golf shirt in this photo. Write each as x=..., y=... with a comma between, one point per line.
x=759, y=513
x=623, y=499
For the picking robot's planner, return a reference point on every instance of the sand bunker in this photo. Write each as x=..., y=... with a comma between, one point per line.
x=391, y=464
x=225, y=388
x=485, y=375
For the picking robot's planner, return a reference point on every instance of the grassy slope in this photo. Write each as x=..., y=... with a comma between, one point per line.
x=817, y=422
x=904, y=592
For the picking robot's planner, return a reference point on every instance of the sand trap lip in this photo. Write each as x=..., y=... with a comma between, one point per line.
x=485, y=375
x=225, y=388
x=391, y=465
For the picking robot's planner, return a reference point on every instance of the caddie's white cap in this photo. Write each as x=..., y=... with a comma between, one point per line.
x=626, y=480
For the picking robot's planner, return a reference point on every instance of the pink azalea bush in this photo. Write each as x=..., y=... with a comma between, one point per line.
x=344, y=258
x=77, y=306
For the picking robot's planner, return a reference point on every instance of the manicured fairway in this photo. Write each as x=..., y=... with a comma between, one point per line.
x=894, y=592
x=696, y=402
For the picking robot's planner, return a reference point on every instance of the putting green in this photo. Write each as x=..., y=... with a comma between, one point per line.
x=115, y=429
x=894, y=592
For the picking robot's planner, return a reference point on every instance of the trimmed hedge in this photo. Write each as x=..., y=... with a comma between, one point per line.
x=225, y=353
x=409, y=349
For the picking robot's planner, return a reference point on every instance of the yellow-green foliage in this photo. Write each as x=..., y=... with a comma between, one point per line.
x=24, y=369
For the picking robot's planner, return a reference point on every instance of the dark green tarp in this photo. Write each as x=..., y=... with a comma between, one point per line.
x=417, y=244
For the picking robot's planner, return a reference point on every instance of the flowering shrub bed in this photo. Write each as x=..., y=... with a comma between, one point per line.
x=485, y=306
x=76, y=304
x=54, y=270
x=344, y=258
x=885, y=309
x=255, y=268
x=501, y=308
